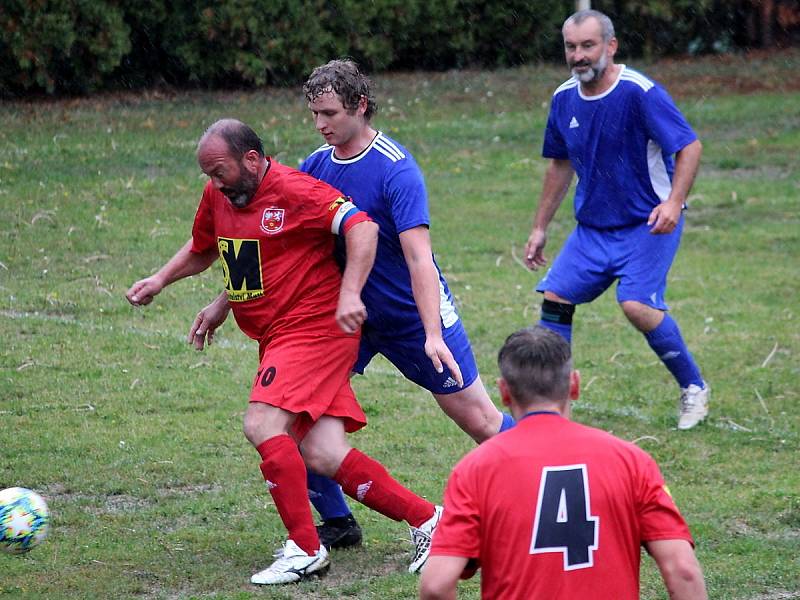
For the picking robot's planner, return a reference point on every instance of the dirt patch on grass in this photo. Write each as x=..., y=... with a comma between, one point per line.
x=745, y=73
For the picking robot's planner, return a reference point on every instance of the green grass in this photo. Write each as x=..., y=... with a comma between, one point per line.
x=135, y=439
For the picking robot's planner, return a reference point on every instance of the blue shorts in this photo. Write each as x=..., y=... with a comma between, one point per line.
x=592, y=259
x=408, y=355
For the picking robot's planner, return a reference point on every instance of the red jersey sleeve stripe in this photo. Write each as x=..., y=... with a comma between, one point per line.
x=359, y=216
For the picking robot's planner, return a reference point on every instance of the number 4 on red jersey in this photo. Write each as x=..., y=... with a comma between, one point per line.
x=563, y=521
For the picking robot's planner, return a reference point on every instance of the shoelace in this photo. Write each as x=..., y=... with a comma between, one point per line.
x=687, y=402
x=279, y=565
x=422, y=541
x=283, y=561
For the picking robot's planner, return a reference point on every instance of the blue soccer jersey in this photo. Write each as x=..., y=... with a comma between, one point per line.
x=621, y=144
x=385, y=181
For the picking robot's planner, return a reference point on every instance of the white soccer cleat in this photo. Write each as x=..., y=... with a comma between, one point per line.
x=694, y=406
x=293, y=565
x=421, y=538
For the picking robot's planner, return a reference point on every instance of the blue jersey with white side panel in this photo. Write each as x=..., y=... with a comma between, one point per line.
x=385, y=181
x=621, y=144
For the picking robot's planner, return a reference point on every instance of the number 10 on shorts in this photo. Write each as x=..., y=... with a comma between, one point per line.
x=563, y=521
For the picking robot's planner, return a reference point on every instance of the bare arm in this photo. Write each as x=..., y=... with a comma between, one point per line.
x=557, y=178
x=679, y=569
x=184, y=264
x=361, y=242
x=208, y=320
x=666, y=215
x=440, y=577
x=416, y=244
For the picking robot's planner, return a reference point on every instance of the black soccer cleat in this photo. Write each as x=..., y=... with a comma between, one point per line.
x=339, y=532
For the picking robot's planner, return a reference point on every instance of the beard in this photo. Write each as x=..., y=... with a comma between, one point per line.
x=241, y=193
x=593, y=73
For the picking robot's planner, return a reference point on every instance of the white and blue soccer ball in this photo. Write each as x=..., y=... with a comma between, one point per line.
x=24, y=519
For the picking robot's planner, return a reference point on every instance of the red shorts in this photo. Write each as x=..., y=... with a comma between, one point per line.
x=310, y=377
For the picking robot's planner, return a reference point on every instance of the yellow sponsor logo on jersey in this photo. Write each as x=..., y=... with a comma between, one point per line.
x=241, y=268
x=336, y=204
x=244, y=296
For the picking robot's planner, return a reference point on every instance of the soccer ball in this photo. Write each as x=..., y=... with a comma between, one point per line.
x=24, y=519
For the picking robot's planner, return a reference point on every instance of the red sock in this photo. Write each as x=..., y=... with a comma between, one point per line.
x=285, y=473
x=369, y=482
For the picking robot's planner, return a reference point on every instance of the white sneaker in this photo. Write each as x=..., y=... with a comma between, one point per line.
x=421, y=538
x=293, y=565
x=694, y=406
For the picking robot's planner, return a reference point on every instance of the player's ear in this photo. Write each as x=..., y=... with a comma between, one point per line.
x=252, y=160
x=363, y=102
x=612, y=47
x=505, y=393
x=574, y=385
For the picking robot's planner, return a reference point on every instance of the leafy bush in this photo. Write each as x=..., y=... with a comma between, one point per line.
x=60, y=45
x=513, y=32
x=652, y=28
x=78, y=46
x=250, y=41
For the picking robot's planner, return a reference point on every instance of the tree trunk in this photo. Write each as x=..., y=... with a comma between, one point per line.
x=767, y=16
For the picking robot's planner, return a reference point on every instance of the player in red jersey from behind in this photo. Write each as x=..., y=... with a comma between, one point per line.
x=273, y=228
x=553, y=509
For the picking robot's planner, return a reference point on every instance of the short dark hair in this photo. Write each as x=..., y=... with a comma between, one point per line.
x=606, y=26
x=239, y=137
x=344, y=78
x=536, y=363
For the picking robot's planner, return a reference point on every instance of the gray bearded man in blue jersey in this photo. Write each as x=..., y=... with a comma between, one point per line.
x=619, y=131
x=411, y=316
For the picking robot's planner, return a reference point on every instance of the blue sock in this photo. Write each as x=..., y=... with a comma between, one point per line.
x=508, y=422
x=558, y=317
x=326, y=496
x=564, y=331
x=667, y=342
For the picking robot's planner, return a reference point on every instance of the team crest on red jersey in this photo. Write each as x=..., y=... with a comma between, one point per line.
x=272, y=220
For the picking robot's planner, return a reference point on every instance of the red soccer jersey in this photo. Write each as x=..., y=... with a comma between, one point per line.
x=277, y=252
x=554, y=509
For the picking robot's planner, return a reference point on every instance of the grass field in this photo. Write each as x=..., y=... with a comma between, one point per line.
x=135, y=439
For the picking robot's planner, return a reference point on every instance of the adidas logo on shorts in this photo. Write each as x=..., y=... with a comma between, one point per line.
x=450, y=382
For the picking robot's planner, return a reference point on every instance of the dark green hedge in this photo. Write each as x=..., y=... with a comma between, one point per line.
x=80, y=46
x=60, y=46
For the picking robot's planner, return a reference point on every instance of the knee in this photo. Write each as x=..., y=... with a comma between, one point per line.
x=262, y=421
x=553, y=297
x=485, y=425
x=630, y=308
x=250, y=428
x=473, y=411
x=483, y=434
x=644, y=318
x=319, y=458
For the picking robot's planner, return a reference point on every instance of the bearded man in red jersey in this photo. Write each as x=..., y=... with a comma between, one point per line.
x=273, y=228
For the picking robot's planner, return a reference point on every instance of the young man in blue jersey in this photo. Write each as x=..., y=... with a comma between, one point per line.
x=617, y=130
x=411, y=316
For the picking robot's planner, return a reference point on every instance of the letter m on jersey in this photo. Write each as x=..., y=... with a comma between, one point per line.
x=563, y=521
x=241, y=266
